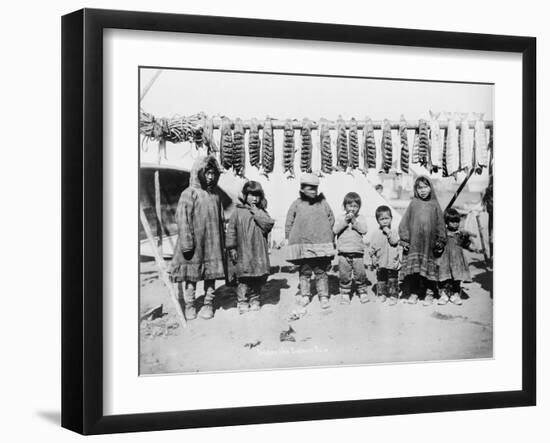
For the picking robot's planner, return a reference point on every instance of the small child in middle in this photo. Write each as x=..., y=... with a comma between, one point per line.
x=247, y=246
x=385, y=253
x=350, y=229
x=308, y=231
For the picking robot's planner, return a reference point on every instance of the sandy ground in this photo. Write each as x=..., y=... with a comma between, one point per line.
x=354, y=334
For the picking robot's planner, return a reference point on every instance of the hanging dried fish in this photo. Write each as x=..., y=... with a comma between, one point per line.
x=226, y=144
x=416, y=148
x=423, y=143
x=387, y=147
x=288, y=149
x=254, y=144
x=353, y=145
x=444, y=170
x=452, y=155
x=238, y=148
x=326, y=151
x=307, y=146
x=208, y=135
x=480, y=143
x=369, y=145
x=465, y=147
x=268, y=151
x=436, y=143
x=342, y=154
x=404, y=164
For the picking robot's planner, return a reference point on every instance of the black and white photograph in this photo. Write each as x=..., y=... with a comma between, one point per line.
x=292, y=220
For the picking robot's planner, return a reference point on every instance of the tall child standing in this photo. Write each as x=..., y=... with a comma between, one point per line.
x=199, y=253
x=247, y=232
x=423, y=236
x=308, y=230
x=350, y=230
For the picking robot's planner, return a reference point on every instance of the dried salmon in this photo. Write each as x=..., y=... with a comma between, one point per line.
x=254, y=144
x=226, y=144
x=268, y=152
x=353, y=145
x=342, y=154
x=404, y=163
x=288, y=149
x=387, y=147
x=306, y=151
x=369, y=145
x=238, y=148
x=326, y=150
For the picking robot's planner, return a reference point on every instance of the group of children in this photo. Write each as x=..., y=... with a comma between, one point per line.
x=423, y=257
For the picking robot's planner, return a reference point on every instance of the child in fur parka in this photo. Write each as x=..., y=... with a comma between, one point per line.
x=199, y=251
x=308, y=230
x=246, y=243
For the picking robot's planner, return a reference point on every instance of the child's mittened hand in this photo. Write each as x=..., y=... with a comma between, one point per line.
x=233, y=255
x=438, y=250
x=386, y=230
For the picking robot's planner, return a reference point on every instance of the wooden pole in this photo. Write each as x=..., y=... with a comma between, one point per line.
x=148, y=85
x=460, y=188
x=481, y=237
x=377, y=124
x=158, y=211
x=158, y=202
x=160, y=263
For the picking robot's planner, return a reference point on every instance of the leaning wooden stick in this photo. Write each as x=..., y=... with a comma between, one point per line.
x=481, y=237
x=160, y=263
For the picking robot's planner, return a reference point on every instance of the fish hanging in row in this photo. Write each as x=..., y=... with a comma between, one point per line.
x=369, y=145
x=423, y=143
x=239, y=156
x=326, y=151
x=387, y=147
x=404, y=163
x=254, y=144
x=342, y=154
x=226, y=144
x=465, y=148
x=268, y=152
x=306, y=152
x=436, y=143
x=480, y=144
x=353, y=145
x=444, y=170
x=288, y=149
x=209, y=135
x=452, y=153
x=416, y=148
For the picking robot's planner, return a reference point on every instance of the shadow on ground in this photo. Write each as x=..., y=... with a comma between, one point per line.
x=484, y=278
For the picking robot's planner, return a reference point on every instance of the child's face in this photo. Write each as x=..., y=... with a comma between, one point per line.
x=252, y=200
x=423, y=190
x=384, y=220
x=210, y=177
x=309, y=191
x=453, y=225
x=352, y=208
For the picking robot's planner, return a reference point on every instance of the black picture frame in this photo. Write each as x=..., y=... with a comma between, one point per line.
x=82, y=218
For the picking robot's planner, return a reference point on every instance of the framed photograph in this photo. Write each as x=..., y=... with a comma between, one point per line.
x=269, y=221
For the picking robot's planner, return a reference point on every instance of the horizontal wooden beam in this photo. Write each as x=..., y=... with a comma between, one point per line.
x=377, y=124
